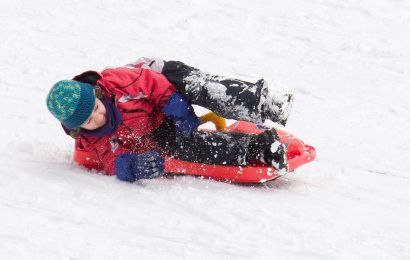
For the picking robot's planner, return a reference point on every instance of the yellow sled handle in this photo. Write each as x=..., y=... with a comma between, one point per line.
x=219, y=122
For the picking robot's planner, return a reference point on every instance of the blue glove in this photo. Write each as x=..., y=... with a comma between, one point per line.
x=182, y=113
x=131, y=167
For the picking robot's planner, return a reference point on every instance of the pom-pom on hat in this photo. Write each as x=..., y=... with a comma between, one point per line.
x=71, y=102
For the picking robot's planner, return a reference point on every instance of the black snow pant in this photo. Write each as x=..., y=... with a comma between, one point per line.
x=229, y=98
x=220, y=148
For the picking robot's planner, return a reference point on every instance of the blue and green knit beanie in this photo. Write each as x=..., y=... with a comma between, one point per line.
x=71, y=102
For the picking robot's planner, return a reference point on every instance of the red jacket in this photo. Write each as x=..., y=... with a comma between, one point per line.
x=139, y=94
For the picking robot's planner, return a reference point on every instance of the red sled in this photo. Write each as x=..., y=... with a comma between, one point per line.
x=298, y=154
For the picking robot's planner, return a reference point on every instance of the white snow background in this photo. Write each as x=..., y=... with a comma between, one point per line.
x=348, y=64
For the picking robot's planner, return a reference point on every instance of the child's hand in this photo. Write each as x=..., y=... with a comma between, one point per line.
x=182, y=113
x=131, y=167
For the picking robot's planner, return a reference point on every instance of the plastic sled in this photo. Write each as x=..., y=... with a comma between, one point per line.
x=298, y=154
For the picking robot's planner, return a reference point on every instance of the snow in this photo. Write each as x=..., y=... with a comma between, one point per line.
x=347, y=63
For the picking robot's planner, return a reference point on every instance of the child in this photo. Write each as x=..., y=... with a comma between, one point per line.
x=132, y=116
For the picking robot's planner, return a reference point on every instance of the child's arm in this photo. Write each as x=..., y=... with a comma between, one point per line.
x=130, y=166
x=172, y=103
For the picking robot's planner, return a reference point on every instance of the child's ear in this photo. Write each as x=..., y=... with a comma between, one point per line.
x=75, y=133
x=98, y=92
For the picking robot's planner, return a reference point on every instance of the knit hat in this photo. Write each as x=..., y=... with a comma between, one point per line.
x=71, y=102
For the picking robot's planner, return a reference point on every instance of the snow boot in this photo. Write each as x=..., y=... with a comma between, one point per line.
x=275, y=107
x=266, y=148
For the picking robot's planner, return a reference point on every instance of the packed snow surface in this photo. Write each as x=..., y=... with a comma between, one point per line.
x=346, y=62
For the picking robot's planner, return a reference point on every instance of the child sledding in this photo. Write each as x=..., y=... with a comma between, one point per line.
x=137, y=122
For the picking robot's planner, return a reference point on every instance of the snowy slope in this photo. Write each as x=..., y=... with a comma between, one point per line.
x=347, y=62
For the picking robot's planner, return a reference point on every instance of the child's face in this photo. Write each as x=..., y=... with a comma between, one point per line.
x=98, y=117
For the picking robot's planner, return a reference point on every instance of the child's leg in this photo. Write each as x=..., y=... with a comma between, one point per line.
x=204, y=147
x=224, y=148
x=233, y=149
x=229, y=98
x=214, y=148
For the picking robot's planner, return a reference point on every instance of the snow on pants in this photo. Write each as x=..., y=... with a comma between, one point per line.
x=229, y=98
x=207, y=147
